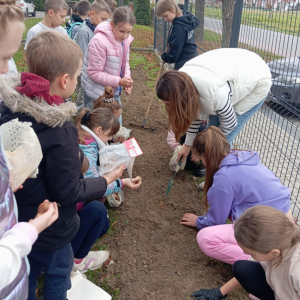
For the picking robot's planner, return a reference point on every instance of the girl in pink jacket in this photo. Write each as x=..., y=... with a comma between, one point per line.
x=107, y=59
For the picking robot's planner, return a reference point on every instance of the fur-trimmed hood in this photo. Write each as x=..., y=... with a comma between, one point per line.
x=37, y=108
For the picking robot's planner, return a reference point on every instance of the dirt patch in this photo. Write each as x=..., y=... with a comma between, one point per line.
x=154, y=256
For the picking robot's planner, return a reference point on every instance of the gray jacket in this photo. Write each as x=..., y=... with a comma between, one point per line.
x=83, y=37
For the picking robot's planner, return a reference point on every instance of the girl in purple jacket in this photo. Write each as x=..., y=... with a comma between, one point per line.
x=235, y=181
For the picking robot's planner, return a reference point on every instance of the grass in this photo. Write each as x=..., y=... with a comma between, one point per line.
x=286, y=22
x=30, y=22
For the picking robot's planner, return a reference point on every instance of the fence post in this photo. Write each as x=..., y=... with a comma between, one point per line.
x=236, y=24
x=165, y=35
x=155, y=25
x=186, y=5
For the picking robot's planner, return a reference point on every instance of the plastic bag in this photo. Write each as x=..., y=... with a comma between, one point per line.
x=173, y=164
x=23, y=151
x=115, y=199
x=111, y=157
x=123, y=132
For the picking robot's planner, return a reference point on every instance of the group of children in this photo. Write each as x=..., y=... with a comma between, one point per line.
x=94, y=53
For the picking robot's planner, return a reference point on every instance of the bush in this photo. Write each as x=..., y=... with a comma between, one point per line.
x=39, y=4
x=141, y=10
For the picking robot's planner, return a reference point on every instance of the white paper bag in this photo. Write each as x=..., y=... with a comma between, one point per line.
x=23, y=151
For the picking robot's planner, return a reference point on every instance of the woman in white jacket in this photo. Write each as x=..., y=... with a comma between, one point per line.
x=226, y=86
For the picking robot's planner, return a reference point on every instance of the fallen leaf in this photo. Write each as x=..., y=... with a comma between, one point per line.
x=160, y=204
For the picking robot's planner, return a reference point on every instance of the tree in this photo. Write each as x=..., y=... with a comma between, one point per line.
x=141, y=9
x=228, y=7
x=199, y=14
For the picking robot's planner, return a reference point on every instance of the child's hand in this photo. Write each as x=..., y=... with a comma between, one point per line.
x=119, y=139
x=126, y=82
x=128, y=90
x=189, y=220
x=134, y=184
x=42, y=221
x=114, y=175
x=213, y=294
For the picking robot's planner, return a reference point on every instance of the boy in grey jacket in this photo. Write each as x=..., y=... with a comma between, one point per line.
x=99, y=12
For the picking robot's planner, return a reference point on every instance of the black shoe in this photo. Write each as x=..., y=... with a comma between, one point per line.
x=200, y=171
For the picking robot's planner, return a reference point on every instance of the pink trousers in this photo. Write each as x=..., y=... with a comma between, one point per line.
x=219, y=243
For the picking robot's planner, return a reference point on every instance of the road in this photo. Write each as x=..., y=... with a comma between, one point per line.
x=275, y=42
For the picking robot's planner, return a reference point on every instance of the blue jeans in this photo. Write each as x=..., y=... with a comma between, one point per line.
x=94, y=223
x=118, y=98
x=241, y=121
x=57, y=266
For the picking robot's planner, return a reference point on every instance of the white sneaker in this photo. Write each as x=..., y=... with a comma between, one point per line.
x=93, y=261
x=201, y=185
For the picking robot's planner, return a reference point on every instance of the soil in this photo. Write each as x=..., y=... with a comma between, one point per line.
x=154, y=256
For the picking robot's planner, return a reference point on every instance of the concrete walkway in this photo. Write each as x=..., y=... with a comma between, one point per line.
x=282, y=44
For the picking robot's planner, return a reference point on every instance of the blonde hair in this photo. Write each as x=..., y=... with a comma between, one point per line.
x=51, y=54
x=101, y=117
x=100, y=5
x=212, y=144
x=113, y=105
x=178, y=90
x=55, y=5
x=264, y=228
x=167, y=5
x=111, y=3
x=9, y=11
x=122, y=15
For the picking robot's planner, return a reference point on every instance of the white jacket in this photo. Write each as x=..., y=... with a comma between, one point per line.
x=247, y=71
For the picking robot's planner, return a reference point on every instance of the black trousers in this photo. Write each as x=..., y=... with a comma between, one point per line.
x=252, y=277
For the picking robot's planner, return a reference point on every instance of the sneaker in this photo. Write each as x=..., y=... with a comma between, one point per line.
x=73, y=273
x=201, y=185
x=252, y=297
x=93, y=261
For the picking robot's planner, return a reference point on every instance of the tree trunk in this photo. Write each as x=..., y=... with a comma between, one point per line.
x=228, y=7
x=199, y=14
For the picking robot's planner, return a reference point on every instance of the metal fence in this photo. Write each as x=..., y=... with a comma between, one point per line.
x=271, y=28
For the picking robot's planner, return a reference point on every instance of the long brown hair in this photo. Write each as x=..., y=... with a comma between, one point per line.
x=101, y=117
x=107, y=100
x=9, y=11
x=183, y=106
x=212, y=144
x=264, y=228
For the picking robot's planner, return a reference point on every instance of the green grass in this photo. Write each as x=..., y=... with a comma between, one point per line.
x=286, y=22
x=30, y=22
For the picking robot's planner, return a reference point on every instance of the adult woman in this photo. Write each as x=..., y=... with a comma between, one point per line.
x=235, y=181
x=228, y=85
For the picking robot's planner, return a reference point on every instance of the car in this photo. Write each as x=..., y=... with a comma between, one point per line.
x=27, y=7
x=285, y=81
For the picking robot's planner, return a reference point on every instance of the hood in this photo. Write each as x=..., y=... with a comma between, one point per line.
x=105, y=28
x=76, y=18
x=37, y=108
x=98, y=141
x=187, y=20
x=240, y=158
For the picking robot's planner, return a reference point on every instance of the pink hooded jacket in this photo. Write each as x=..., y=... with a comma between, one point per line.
x=103, y=62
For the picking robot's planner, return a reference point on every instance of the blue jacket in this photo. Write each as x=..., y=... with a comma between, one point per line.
x=181, y=40
x=242, y=182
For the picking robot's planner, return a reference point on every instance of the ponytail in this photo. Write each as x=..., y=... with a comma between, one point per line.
x=9, y=11
x=212, y=144
x=107, y=101
x=101, y=117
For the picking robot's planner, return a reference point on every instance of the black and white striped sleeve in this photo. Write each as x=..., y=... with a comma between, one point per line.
x=192, y=132
x=224, y=108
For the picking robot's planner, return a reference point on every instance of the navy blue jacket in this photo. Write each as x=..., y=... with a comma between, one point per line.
x=181, y=40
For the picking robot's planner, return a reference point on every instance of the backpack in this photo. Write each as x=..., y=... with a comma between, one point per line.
x=70, y=29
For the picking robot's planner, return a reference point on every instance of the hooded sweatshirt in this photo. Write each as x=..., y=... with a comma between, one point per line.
x=181, y=40
x=240, y=183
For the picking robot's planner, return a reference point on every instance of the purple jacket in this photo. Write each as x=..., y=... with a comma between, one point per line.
x=240, y=183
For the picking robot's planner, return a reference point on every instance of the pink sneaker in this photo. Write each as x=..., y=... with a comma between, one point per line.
x=93, y=261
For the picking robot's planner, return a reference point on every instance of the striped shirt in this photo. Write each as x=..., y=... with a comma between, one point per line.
x=224, y=110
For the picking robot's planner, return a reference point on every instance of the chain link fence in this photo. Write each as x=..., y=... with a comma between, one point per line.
x=271, y=28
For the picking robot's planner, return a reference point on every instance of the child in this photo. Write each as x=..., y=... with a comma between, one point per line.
x=107, y=59
x=54, y=62
x=274, y=242
x=16, y=239
x=235, y=181
x=99, y=12
x=73, y=17
x=83, y=8
x=55, y=14
x=95, y=129
x=94, y=223
x=181, y=39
